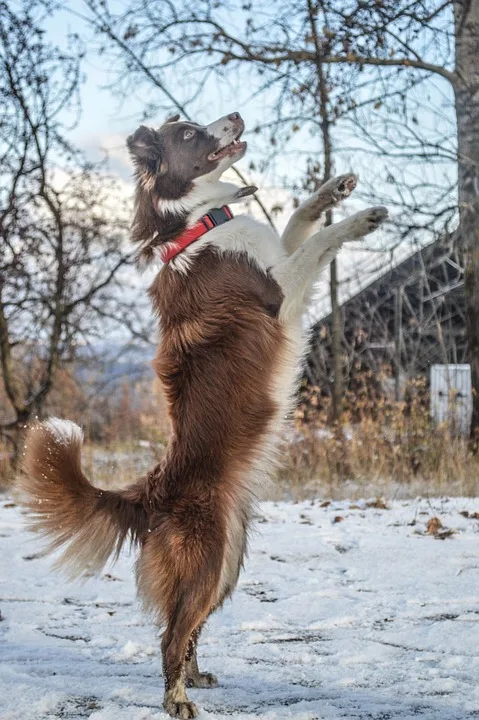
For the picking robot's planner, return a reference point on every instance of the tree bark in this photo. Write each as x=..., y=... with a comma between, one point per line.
x=336, y=332
x=466, y=15
x=398, y=342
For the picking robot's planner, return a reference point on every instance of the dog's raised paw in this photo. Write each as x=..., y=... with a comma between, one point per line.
x=376, y=216
x=183, y=710
x=338, y=188
x=344, y=186
x=330, y=194
x=202, y=680
x=367, y=221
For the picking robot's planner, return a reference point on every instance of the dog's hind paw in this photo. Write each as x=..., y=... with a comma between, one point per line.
x=183, y=710
x=202, y=680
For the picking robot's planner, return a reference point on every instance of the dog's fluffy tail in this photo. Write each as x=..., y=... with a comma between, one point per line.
x=89, y=524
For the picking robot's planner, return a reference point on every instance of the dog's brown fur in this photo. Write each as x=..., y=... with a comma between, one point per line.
x=221, y=340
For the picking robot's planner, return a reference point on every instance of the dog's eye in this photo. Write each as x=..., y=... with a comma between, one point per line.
x=188, y=134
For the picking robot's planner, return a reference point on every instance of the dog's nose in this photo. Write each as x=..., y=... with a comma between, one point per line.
x=234, y=116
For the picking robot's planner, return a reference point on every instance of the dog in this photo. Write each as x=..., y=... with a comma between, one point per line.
x=230, y=297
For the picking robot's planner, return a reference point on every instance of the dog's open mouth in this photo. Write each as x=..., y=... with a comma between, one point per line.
x=233, y=148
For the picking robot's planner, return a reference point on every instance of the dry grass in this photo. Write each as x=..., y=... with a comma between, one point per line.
x=380, y=449
x=119, y=464
x=393, y=451
x=106, y=465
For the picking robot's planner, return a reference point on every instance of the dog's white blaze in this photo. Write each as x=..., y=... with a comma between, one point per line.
x=222, y=129
x=64, y=431
x=207, y=193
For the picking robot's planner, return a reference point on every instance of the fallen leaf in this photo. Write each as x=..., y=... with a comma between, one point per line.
x=433, y=526
x=378, y=504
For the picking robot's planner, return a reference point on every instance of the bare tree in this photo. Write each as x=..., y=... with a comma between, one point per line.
x=63, y=246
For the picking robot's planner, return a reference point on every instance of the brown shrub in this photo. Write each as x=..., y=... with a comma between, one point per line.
x=379, y=445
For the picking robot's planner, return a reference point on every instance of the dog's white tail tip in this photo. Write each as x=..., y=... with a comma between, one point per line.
x=64, y=432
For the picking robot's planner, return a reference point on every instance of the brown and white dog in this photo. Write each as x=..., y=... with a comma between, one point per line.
x=230, y=299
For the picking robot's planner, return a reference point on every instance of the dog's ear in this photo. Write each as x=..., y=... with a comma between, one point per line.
x=142, y=143
x=173, y=118
x=145, y=150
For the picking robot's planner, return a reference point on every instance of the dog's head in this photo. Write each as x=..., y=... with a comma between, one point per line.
x=179, y=152
x=177, y=166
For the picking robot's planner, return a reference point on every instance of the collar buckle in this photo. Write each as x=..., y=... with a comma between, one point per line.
x=218, y=216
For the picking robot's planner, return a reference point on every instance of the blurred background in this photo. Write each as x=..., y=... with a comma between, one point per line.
x=389, y=398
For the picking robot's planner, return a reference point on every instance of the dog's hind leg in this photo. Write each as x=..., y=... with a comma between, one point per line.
x=195, y=678
x=178, y=574
x=304, y=220
x=190, y=613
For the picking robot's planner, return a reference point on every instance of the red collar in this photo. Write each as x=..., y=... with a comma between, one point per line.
x=216, y=216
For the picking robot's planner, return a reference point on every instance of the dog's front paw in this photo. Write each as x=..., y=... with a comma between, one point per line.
x=183, y=710
x=330, y=194
x=340, y=187
x=367, y=221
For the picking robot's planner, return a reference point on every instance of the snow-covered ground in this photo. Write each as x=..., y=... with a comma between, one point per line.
x=344, y=611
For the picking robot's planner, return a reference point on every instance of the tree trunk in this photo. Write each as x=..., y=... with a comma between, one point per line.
x=336, y=332
x=466, y=14
x=322, y=94
x=398, y=342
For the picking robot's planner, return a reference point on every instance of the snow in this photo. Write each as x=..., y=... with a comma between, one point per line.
x=343, y=611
